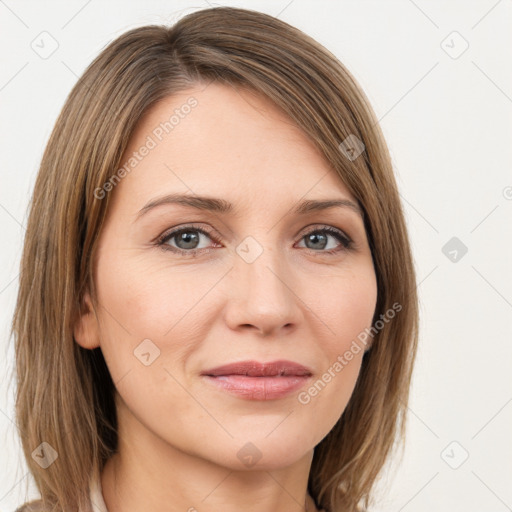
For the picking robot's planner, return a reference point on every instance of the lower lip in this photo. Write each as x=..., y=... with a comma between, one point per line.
x=259, y=388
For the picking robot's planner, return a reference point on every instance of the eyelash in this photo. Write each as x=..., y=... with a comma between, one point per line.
x=162, y=240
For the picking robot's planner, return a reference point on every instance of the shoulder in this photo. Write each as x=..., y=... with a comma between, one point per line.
x=31, y=506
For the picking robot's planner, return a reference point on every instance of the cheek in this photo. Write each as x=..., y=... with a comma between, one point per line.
x=145, y=299
x=349, y=307
x=141, y=301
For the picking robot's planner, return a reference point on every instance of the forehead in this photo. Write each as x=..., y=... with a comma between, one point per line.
x=222, y=141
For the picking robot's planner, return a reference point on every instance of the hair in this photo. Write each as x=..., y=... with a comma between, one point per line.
x=65, y=394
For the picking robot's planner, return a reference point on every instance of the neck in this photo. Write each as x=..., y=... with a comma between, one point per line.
x=149, y=474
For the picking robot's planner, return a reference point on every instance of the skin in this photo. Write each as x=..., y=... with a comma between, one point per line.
x=179, y=436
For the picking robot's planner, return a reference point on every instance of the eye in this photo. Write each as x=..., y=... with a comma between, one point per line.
x=187, y=239
x=319, y=237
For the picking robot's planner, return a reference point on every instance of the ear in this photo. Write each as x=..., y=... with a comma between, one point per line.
x=86, y=329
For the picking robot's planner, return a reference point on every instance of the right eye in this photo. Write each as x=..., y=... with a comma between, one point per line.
x=186, y=239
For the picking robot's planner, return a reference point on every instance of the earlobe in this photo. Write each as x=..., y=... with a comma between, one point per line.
x=86, y=329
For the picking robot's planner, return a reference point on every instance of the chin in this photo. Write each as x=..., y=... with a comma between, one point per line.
x=263, y=451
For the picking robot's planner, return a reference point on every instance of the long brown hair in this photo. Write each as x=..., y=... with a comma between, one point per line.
x=65, y=395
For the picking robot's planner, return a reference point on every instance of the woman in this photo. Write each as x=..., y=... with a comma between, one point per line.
x=217, y=302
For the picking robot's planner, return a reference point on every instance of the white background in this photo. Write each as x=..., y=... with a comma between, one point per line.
x=448, y=123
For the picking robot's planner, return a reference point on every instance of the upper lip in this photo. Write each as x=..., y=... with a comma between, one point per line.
x=257, y=369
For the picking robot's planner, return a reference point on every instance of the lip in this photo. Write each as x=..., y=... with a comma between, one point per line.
x=257, y=369
x=253, y=380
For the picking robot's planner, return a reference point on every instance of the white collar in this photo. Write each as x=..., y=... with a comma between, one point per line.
x=97, y=501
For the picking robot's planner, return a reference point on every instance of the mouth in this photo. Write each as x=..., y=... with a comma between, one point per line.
x=253, y=380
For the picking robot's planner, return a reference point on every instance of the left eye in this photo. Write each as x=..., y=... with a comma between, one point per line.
x=187, y=240
x=321, y=235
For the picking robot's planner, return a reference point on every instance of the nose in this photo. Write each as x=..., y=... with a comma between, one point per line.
x=261, y=295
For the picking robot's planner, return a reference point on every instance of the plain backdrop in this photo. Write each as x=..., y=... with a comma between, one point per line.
x=439, y=77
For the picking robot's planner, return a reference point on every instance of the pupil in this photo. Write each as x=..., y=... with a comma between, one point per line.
x=188, y=239
x=316, y=236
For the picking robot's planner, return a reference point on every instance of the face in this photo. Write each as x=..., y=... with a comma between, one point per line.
x=183, y=290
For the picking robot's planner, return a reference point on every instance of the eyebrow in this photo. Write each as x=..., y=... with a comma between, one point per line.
x=222, y=206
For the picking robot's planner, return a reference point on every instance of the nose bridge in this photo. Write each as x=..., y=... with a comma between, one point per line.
x=261, y=281
x=261, y=261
